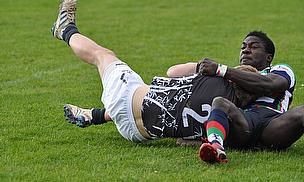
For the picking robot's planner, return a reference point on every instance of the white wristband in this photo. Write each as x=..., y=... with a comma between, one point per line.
x=221, y=70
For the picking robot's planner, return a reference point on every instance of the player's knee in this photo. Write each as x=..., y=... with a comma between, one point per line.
x=109, y=52
x=103, y=56
x=104, y=52
x=301, y=110
x=221, y=103
x=297, y=114
x=172, y=71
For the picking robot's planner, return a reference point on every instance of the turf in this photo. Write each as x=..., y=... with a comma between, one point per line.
x=39, y=74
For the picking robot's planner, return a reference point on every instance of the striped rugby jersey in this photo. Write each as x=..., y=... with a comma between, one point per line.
x=279, y=102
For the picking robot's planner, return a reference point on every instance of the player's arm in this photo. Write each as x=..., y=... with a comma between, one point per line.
x=253, y=82
x=257, y=83
x=180, y=70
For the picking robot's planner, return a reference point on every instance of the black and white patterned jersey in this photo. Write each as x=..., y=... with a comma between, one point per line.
x=178, y=107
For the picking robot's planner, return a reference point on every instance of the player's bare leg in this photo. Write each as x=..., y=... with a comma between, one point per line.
x=284, y=130
x=92, y=53
x=239, y=133
x=86, y=49
x=65, y=29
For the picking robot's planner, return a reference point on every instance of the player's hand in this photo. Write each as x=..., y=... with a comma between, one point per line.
x=207, y=67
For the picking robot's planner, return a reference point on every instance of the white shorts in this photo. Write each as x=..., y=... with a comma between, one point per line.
x=119, y=84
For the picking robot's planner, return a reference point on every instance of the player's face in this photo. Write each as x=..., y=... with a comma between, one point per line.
x=253, y=53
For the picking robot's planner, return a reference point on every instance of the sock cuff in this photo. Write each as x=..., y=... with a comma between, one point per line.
x=218, y=120
x=98, y=116
x=217, y=115
x=68, y=32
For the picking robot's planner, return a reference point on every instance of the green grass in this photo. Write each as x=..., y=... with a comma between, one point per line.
x=39, y=74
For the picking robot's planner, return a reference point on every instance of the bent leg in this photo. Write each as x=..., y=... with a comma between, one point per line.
x=284, y=130
x=239, y=133
x=217, y=129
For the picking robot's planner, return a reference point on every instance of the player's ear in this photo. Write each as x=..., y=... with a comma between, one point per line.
x=269, y=58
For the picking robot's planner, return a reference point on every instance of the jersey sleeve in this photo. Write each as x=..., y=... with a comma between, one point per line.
x=285, y=71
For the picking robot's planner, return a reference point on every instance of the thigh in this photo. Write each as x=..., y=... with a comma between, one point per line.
x=238, y=134
x=239, y=130
x=284, y=130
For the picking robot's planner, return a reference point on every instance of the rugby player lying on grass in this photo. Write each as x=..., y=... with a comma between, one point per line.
x=265, y=123
x=167, y=108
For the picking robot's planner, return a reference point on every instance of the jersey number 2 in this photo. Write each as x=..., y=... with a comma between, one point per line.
x=197, y=117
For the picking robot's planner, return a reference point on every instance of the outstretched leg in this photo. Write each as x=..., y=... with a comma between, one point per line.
x=83, y=47
x=91, y=53
x=65, y=29
x=284, y=130
x=122, y=87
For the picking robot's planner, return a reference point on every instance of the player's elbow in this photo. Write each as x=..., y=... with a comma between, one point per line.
x=222, y=104
x=175, y=71
x=182, y=70
x=171, y=71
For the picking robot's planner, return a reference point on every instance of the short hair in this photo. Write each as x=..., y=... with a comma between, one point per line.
x=269, y=45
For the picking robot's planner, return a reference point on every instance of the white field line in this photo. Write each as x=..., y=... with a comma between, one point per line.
x=35, y=76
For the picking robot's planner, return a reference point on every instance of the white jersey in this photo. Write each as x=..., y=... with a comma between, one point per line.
x=279, y=102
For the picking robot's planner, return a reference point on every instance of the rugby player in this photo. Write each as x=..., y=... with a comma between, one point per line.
x=169, y=107
x=265, y=123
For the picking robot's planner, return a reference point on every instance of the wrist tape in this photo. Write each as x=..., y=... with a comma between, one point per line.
x=221, y=70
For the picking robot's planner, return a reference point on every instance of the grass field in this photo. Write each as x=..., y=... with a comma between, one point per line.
x=39, y=74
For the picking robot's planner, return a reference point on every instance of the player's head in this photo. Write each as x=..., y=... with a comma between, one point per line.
x=257, y=50
x=244, y=96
